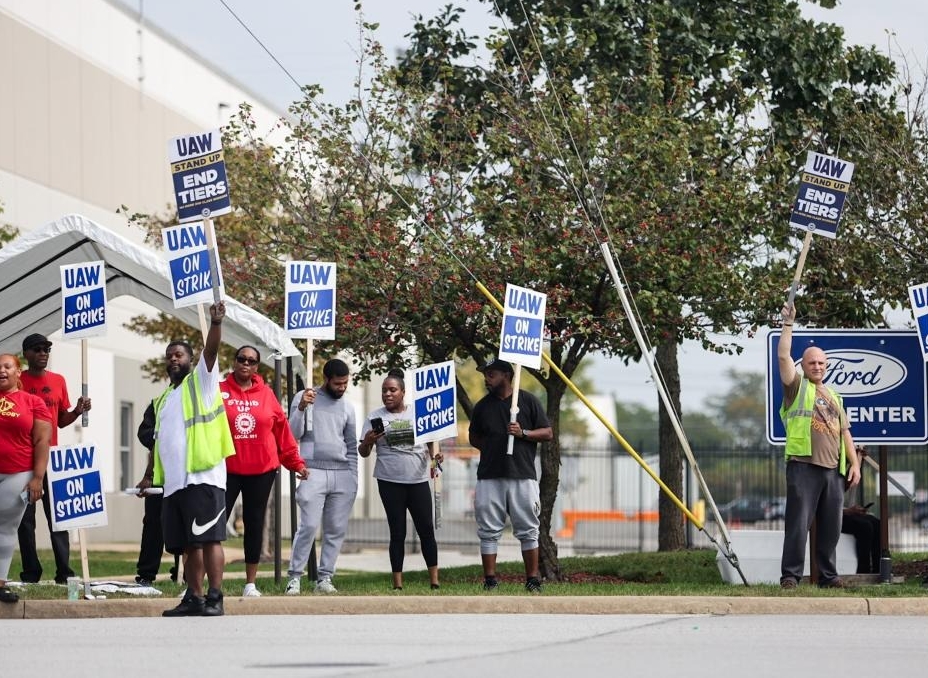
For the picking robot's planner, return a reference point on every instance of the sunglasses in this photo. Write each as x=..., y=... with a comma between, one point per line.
x=242, y=360
x=40, y=349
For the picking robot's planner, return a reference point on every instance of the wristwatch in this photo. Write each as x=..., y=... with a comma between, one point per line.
x=525, y=433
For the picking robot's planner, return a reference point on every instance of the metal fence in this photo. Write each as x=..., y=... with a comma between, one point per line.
x=607, y=503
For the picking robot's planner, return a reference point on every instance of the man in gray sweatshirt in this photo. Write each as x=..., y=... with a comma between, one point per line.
x=324, y=423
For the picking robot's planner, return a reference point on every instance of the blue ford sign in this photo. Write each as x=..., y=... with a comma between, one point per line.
x=880, y=375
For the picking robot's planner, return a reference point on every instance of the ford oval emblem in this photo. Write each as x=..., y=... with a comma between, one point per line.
x=862, y=373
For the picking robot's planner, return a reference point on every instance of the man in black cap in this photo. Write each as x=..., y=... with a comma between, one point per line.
x=51, y=388
x=506, y=483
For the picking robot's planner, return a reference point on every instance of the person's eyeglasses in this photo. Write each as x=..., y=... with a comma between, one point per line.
x=41, y=349
x=245, y=361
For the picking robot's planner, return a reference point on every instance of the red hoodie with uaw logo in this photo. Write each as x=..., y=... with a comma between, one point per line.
x=260, y=429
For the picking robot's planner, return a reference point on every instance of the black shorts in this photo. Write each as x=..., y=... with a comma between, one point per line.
x=193, y=516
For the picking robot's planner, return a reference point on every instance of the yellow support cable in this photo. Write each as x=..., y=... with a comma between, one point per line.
x=609, y=427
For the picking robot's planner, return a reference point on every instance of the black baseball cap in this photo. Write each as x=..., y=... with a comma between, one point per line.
x=498, y=365
x=35, y=341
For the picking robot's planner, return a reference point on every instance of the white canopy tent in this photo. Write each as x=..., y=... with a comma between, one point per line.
x=30, y=286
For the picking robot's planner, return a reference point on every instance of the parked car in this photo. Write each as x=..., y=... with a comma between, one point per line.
x=775, y=509
x=920, y=514
x=743, y=510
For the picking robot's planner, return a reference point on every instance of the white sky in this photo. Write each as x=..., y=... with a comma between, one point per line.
x=317, y=42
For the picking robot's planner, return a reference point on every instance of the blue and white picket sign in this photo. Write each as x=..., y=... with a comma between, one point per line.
x=309, y=300
x=76, y=488
x=83, y=300
x=434, y=403
x=823, y=187
x=522, y=333
x=918, y=297
x=199, y=175
x=880, y=374
x=188, y=260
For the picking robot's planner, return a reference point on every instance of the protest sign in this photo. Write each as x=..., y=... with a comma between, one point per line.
x=309, y=305
x=188, y=260
x=198, y=172
x=823, y=187
x=434, y=402
x=918, y=297
x=75, y=486
x=523, y=326
x=83, y=300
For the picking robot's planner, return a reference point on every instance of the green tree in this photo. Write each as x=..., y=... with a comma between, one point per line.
x=742, y=409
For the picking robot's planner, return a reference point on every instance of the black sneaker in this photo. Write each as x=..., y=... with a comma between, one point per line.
x=490, y=584
x=533, y=585
x=213, y=605
x=142, y=581
x=7, y=596
x=189, y=606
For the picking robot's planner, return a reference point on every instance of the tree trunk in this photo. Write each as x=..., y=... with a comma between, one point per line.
x=670, y=534
x=550, y=478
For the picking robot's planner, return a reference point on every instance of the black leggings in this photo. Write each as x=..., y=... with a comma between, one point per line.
x=417, y=498
x=255, y=492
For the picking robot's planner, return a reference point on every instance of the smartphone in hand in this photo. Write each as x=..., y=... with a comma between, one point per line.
x=377, y=425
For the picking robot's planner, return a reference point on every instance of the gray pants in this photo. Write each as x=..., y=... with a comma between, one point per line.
x=325, y=498
x=497, y=498
x=812, y=492
x=12, y=508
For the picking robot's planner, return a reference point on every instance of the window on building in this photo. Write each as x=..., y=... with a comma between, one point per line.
x=126, y=426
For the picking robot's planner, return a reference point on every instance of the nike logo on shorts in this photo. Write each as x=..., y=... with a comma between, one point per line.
x=200, y=529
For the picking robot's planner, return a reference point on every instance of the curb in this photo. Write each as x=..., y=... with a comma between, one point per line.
x=371, y=605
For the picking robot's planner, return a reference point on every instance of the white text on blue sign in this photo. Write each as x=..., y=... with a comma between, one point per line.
x=199, y=175
x=76, y=495
x=435, y=410
x=84, y=297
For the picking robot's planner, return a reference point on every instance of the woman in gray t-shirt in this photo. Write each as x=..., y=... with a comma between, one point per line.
x=402, y=471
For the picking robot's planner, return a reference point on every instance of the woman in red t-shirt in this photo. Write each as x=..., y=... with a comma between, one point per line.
x=263, y=441
x=25, y=432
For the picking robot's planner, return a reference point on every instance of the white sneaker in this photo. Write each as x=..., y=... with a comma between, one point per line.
x=325, y=586
x=251, y=591
x=293, y=586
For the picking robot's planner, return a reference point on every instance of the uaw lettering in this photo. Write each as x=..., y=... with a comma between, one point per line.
x=879, y=375
x=434, y=402
x=83, y=303
x=523, y=326
x=823, y=187
x=76, y=488
x=199, y=175
x=188, y=261
x=918, y=297
x=309, y=305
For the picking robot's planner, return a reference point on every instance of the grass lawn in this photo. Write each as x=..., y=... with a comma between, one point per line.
x=679, y=573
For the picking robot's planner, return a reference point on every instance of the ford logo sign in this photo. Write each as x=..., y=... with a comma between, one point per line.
x=862, y=373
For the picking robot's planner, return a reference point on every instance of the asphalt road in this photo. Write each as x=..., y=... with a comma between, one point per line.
x=469, y=645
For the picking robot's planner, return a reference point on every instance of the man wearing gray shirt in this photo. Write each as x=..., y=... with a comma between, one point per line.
x=330, y=451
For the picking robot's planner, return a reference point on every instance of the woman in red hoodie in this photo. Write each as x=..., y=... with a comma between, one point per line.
x=263, y=441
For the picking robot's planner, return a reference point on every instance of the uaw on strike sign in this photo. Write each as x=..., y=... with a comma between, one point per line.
x=823, y=187
x=83, y=300
x=188, y=261
x=434, y=398
x=76, y=487
x=199, y=174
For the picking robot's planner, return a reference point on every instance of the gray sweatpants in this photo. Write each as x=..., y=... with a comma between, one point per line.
x=12, y=508
x=812, y=492
x=497, y=498
x=325, y=498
